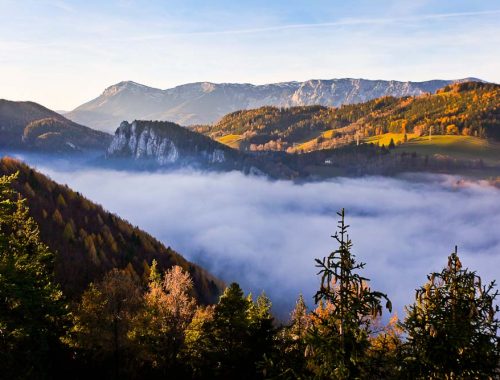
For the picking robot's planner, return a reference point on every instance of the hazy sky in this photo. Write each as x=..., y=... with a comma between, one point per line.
x=62, y=53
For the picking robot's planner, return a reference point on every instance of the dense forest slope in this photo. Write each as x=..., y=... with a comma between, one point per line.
x=89, y=241
x=30, y=126
x=153, y=144
x=202, y=103
x=469, y=109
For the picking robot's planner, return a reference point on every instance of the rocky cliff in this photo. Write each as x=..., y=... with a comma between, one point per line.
x=165, y=143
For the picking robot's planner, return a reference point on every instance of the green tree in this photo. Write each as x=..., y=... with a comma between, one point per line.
x=33, y=313
x=452, y=326
x=261, y=332
x=289, y=362
x=234, y=340
x=339, y=338
x=229, y=333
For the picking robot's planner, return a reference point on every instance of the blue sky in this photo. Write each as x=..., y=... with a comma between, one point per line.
x=63, y=53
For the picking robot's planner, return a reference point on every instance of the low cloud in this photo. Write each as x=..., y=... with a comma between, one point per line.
x=265, y=235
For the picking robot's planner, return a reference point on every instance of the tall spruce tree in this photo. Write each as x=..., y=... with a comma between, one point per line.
x=452, y=326
x=32, y=310
x=341, y=328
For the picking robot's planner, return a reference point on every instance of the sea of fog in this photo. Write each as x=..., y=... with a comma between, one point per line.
x=266, y=234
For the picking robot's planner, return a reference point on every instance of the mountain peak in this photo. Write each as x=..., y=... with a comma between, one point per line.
x=127, y=86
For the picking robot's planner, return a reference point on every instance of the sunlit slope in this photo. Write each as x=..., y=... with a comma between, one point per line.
x=459, y=147
x=466, y=109
x=385, y=139
x=232, y=141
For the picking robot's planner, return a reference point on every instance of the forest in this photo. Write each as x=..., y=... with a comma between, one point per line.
x=122, y=325
x=468, y=109
x=90, y=241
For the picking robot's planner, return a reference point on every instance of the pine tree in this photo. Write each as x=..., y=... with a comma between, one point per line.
x=228, y=334
x=289, y=362
x=342, y=322
x=33, y=313
x=452, y=326
x=234, y=340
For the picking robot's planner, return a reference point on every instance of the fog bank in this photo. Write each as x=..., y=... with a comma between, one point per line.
x=265, y=235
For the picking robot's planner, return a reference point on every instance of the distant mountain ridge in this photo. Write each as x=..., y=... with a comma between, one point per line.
x=31, y=126
x=205, y=102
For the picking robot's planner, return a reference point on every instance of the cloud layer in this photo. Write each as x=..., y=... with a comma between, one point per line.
x=265, y=235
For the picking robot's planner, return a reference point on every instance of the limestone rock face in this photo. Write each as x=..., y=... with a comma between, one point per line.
x=164, y=143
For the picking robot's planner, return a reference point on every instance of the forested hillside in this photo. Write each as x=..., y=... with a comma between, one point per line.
x=470, y=109
x=89, y=241
x=124, y=328
x=30, y=126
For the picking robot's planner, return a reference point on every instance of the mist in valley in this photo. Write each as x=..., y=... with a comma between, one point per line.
x=266, y=234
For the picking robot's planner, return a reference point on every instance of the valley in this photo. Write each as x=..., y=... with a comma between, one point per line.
x=250, y=190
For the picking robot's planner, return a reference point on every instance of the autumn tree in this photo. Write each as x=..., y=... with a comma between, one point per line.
x=452, y=326
x=196, y=342
x=168, y=310
x=33, y=313
x=104, y=320
x=386, y=351
x=339, y=338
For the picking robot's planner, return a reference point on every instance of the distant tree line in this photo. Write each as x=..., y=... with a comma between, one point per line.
x=121, y=327
x=469, y=109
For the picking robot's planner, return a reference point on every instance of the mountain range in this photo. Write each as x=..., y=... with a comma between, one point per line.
x=205, y=103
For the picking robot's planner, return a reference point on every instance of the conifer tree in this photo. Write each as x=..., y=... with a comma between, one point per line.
x=234, y=340
x=339, y=337
x=228, y=334
x=452, y=326
x=290, y=361
x=32, y=310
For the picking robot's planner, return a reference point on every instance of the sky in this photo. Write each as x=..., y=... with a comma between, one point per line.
x=63, y=53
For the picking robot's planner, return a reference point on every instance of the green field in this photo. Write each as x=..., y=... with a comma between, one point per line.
x=459, y=147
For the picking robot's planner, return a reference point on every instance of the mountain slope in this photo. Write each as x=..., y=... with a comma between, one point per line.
x=153, y=144
x=470, y=108
x=89, y=241
x=202, y=103
x=28, y=125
